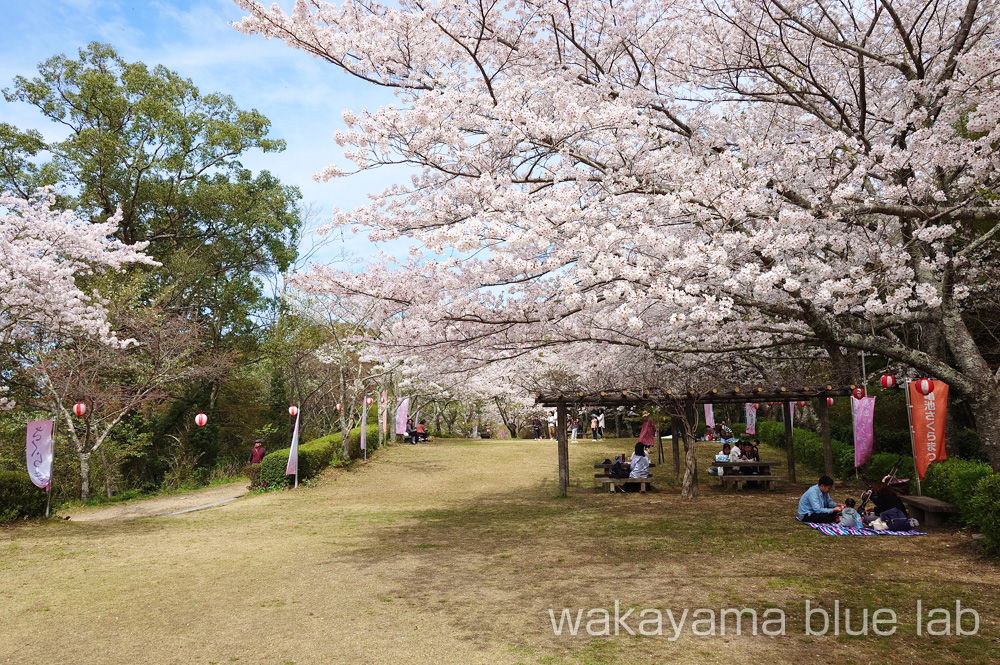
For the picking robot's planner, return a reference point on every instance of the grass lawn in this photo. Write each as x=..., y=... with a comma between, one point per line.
x=453, y=552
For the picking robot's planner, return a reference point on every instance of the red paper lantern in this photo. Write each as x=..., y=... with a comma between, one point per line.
x=802, y=403
x=293, y=411
x=369, y=401
x=829, y=401
x=770, y=403
x=382, y=399
x=888, y=381
x=201, y=420
x=859, y=393
x=339, y=406
x=756, y=405
x=79, y=409
x=925, y=386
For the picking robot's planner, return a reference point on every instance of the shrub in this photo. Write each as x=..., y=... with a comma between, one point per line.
x=984, y=512
x=314, y=456
x=19, y=498
x=739, y=430
x=954, y=481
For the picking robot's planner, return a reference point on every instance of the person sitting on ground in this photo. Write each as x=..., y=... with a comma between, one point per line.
x=640, y=462
x=725, y=430
x=721, y=456
x=258, y=453
x=883, y=498
x=849, y=516
x=816, y=506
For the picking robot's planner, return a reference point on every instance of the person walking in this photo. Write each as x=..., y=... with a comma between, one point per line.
x=536, y=426
x=257, y=453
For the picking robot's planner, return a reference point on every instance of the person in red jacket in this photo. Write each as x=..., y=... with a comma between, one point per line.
x=258, y=452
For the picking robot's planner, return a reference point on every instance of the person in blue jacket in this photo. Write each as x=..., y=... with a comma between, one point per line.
x=816, y=506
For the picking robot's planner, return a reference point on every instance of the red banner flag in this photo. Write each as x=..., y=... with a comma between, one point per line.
x=927, y=416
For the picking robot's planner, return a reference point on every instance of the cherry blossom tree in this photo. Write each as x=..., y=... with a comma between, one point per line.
x=43, y=254
x=676, y=175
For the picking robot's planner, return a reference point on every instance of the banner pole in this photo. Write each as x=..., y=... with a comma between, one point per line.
x=913, y=444
x=52, y=470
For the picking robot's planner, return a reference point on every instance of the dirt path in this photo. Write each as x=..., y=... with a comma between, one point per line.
x=158, y=506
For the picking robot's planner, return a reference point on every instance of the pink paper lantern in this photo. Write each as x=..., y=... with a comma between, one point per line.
x=925, y=386
x=201, y=420
x=79, y=409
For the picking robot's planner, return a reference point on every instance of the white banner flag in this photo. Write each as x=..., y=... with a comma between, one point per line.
x=364, y=422
x=293, y=454
x=39, y=453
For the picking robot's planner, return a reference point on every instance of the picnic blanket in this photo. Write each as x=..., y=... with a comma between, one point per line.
x=837, y=530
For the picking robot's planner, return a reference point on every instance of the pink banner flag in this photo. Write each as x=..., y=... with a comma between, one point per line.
x=402, y=414
x=39, y=453
x=863, y=415
x=384, y=411
x=364, y=422
x=709, y=416
x=293, y=454
x=751, y=413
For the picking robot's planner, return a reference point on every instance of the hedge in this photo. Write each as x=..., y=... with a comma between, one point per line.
x=314, y=456
x=19, y=498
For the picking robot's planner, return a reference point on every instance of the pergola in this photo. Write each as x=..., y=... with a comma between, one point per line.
x=681, y=404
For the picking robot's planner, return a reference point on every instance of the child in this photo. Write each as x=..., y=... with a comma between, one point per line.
x=849, y=516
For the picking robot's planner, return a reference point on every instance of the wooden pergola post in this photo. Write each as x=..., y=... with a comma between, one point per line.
x=676, y=445
x=823, y=411
x=786, y=408
x=563, y=449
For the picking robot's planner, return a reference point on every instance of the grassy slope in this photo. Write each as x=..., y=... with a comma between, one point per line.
x=452, y=553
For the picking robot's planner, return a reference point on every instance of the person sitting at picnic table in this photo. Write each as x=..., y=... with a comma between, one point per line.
x=816, y=506
x=884, y=498
x=640, y=462
x=420, y=433
x=721, y=456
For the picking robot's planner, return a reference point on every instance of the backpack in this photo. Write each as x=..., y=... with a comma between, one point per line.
x=896, y=520
x=618, y=470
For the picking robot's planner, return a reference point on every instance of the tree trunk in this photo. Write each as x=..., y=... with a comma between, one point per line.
x=84, y=475
x=986, y=412
x=689, y=489
x=786, y=408
x=563, y=450
x=107, y=474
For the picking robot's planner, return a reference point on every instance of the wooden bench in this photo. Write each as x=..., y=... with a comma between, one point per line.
x=612, y=482
x=739, y=479
x=930, y=512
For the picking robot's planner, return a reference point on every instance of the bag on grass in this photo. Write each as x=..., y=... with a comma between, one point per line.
x=896, y=520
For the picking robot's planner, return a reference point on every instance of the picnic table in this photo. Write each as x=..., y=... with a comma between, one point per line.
x=604, y=479
x=737, y=477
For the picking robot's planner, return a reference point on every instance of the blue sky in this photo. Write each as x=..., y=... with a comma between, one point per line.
x=302, y=96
